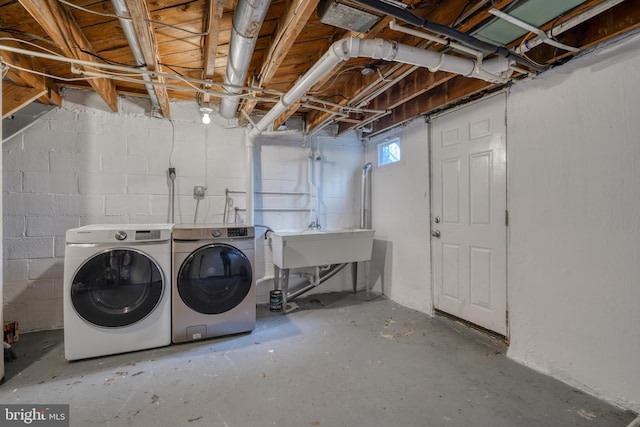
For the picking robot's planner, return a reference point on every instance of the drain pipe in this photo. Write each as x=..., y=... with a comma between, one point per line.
x=247, y=21
x=323, y=277
x=354, y=47
x=365, y=197
x=249, y=196
x=127, y=27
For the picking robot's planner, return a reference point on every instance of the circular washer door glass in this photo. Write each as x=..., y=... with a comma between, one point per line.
x=116, y=288
x=214, y=279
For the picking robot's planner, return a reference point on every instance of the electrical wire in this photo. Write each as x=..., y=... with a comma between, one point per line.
x=37, y=46
x=172, y=66
x=195, y=215
x=125, y=18
x=173, y=142
x=521, y=49
x=108, y=15
x=108, y=61
x=24, y=33
x=64, y=79
x=381, y=76
x=324, y=87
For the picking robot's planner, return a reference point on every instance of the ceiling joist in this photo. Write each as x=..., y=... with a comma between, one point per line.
x=15, y=97
x=65, y=32
x=140, y=18
x=18, y=74
x=289, y=28
x=191, y=39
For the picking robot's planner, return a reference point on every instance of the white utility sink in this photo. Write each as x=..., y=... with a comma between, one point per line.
x=308, y=248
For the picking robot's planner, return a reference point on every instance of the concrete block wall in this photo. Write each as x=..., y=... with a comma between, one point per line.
x=573, y=242
x=401, y=266
x=82, y=164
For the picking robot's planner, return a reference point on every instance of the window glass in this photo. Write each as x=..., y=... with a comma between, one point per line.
x=389, y=152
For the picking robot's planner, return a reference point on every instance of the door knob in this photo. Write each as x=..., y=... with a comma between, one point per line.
x=436, y=234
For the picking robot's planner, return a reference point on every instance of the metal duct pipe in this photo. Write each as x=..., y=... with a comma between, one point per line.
x=247, y=21
x=446, y=31
x=354, y=47
x=365, y=197
x=130, y=34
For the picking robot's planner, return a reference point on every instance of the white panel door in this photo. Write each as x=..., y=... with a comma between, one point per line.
x=468, y=209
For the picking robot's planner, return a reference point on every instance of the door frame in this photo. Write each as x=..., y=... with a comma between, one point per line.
x=429, y=120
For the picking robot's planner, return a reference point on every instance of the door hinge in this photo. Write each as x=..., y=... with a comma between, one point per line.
x=506, y=218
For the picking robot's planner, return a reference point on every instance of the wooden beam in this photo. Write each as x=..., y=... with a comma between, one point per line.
x=412, y=86
x=338, y=35
x=15, y=97
x=25, y=78
x=415, y=84
x=140, y=18
x=596, y=30
x=420, y=80
x=65, y=32
x=289, y=28
x=450, y=92
x=214, y=18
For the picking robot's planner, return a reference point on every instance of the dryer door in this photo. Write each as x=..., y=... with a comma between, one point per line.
x=117, y=287
x=214, y=279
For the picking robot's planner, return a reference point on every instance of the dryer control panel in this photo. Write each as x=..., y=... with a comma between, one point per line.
x=204, y=232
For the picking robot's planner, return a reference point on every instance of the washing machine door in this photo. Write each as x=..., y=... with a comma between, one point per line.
x=117, y=287
x=214, y=279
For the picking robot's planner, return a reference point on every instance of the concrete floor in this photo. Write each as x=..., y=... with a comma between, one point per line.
x=339, y=360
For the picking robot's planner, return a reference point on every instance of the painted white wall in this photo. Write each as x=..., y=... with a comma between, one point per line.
x=82, y=164
x=574, y=249
x=401, y=266
x=574, y=243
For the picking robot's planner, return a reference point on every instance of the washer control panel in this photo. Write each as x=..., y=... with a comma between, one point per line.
x=237, y=232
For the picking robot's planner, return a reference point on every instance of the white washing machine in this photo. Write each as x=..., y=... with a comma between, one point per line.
x=117, y=294
x=214, y=288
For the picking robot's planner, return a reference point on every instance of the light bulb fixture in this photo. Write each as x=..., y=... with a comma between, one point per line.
x=205, y=114
x=368, y=69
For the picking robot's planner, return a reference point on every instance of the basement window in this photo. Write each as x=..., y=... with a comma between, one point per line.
x=389, y=152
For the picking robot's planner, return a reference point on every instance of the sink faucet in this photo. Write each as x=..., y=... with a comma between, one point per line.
x=315, y=225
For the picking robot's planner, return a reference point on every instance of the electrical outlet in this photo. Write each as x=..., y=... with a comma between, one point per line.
x=198, y=191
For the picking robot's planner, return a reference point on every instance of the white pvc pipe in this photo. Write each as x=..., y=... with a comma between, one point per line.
x=354, y=47
x=249, y=197
x=263, y=279
x=365, y=197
